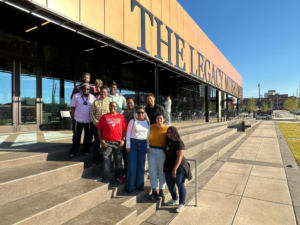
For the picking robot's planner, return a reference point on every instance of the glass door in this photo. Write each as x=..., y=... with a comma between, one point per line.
x=27, y=102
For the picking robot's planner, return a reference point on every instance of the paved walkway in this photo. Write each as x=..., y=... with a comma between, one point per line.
x=252, y=187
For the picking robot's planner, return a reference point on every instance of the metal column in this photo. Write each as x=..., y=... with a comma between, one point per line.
x=206, y=104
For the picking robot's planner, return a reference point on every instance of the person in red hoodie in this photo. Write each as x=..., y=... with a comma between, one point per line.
x=111, y=132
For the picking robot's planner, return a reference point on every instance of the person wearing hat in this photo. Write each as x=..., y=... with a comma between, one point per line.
x=80, y=113
x=115, y=97
x=86, y=77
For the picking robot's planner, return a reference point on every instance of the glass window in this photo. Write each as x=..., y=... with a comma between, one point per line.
x=56, y=91
x=28, y=94
x=5, y=92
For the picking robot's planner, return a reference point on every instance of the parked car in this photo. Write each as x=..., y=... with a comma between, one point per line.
x=264, y=116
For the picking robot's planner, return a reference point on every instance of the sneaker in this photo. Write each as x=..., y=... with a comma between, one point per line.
x=180, y=208
x=161, y=194
x=153, y=195
x=121, y=179
x=86, y=154
x=128, y=192
x=71, y=156
x=141, y=189
x=173, y=202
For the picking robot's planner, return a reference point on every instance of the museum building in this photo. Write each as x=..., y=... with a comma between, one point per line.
x=145, y=46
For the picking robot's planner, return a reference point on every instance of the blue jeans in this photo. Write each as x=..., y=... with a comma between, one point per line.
x=95, y=145
x=136, y=164
x=156, y=160
x=168, y=118
x=179, y=181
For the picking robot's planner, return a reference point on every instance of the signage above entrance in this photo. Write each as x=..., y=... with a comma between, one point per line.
x=204, y=69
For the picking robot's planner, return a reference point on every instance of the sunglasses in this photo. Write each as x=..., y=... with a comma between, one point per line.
x=140, y=112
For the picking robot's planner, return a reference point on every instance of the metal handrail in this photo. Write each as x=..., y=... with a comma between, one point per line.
x=196, y=179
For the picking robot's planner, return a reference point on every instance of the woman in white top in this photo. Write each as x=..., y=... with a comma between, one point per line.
x=137, y=146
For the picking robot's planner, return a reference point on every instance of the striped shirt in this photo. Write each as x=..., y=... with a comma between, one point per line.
x=99, y=108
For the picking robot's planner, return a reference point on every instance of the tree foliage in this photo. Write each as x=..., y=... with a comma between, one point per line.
x=291, y=104
x=251, y=106
x=270, y=103
x=264, y=107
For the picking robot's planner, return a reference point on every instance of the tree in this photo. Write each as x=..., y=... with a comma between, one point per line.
x=270, y=103
x=264, y=107
x=251, y=106
x=290, y=104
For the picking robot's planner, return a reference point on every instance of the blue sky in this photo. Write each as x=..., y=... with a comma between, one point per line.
x=261, y=39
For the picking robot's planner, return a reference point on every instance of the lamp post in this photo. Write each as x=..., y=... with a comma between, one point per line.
x=259, y=94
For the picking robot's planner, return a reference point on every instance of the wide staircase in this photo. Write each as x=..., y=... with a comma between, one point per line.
x=45, y=187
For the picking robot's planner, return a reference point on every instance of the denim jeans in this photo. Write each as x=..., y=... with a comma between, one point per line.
x=168, y=118
x=136, y=164
x=107, y=152
x=179, y=181
x=156, y=160
x=96, y=145
x=77, y=131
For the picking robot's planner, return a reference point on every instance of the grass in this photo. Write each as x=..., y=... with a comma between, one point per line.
x=295, y=147
x=291, y=130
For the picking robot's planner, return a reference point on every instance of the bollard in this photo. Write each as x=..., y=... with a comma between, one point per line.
x=243, y=126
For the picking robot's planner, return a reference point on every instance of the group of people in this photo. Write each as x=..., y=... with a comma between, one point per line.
x=130, y=136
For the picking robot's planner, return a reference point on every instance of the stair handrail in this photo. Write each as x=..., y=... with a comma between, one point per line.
x=237, y=119
x=248, y=118
x=196, y=180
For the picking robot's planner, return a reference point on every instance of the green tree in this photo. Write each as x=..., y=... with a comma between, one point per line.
x=251, y=106
x=290, y=104
x=264, y=107
x=270, y=103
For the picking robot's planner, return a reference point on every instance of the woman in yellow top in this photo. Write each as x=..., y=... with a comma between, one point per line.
x=156, y=157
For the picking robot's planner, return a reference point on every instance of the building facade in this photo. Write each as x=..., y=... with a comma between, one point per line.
x=145, y=46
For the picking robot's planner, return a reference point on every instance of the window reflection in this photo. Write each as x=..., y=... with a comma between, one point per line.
x=5, y=92
x=56, y=91
x=28, y=94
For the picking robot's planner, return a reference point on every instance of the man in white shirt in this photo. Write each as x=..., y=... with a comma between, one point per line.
x=168, y=104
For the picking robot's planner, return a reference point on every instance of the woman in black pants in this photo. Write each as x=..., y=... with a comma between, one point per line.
x=176, y=168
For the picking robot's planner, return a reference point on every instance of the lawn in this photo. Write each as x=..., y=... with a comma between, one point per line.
x=295, y=147
x=292, y=130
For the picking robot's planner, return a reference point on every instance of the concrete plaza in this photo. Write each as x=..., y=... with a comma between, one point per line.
x=254, y=186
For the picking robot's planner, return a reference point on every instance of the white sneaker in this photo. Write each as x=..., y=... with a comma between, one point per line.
x=173, y=202
x=180, y=208
x=71, y=155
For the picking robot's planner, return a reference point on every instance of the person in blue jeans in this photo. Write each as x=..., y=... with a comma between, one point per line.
x=137, y=146
x=176, y=168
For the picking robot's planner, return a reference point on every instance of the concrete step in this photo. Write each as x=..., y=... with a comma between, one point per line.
x=57, y=205
x=15, y=159
x=106, y=213
x=195, y=126
x=200, y=132
x=195, y=146
x=30, y=179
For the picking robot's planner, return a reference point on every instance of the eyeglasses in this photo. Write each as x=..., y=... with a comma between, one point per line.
x=140, y=112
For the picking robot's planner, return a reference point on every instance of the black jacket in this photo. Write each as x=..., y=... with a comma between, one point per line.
x=158, y=110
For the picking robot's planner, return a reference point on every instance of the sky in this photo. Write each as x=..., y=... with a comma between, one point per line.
x=260, y=38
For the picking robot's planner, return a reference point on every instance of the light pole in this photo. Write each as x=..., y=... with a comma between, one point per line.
x=259, y=94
